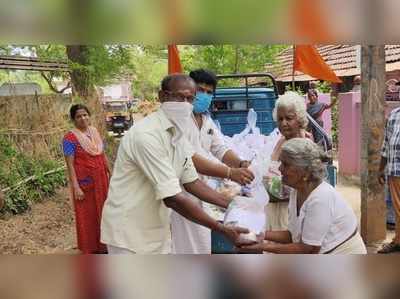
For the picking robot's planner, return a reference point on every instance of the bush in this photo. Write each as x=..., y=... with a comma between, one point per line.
x=335, y=122
x=15, y=167
x=324, y=87
x=289, y=87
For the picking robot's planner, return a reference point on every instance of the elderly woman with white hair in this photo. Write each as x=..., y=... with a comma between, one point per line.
x=290, y=113
x=320, y=220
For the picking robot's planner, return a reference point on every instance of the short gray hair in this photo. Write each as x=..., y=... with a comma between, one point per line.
x=305, y=154
x=294, y=101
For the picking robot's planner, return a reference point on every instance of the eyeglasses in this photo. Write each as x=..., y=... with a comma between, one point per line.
x=181, y=97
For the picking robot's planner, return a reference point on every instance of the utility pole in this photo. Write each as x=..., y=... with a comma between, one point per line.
x=373, y=207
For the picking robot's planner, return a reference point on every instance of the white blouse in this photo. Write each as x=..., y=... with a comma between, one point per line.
x=324, y=220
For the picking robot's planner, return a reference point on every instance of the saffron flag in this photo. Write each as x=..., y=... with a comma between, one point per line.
x=309, y=22
x=308, y=61
x=174, y=63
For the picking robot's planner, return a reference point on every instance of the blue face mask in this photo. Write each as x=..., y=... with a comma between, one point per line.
x=202, y=102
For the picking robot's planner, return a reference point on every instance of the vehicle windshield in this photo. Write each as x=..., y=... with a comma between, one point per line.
x=117, y=108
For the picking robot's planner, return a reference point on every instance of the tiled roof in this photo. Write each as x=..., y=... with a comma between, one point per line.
x=341, y=58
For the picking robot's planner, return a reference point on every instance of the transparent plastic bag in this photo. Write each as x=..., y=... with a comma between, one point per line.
x=273, y=182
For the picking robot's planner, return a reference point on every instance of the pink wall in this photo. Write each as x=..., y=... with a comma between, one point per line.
x=349, y=111
x=350, y=131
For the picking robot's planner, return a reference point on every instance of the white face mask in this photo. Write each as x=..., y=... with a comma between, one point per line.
x=179, y=113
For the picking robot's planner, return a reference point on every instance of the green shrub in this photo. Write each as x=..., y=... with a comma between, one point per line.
x=15, y=167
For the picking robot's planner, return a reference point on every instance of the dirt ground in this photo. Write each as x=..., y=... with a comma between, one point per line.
x=352, y=194
x=49, y=227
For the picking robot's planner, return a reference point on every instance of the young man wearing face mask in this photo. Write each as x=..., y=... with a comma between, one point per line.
x=207, y=141
x=154, y=160
x=210, y=137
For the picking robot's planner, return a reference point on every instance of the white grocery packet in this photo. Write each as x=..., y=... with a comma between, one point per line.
x=248, y=213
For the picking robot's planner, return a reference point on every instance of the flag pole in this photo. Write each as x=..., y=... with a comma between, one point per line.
x=294, y=58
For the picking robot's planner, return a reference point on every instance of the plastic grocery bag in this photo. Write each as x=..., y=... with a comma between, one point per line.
x=213, y=183
x=256, y=188
x=270, y=142
x=251, y=124
x=246, y=212
x=255, y=140
x=273, y=182
x=247, y=143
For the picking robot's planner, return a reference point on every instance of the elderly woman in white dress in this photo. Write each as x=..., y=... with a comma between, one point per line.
x=320, y=220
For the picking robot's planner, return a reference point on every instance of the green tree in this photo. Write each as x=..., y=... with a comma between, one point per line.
x=224, y=59
x=149, y=67
x=100, y=64
x=96, y=65
x=90, y=65
x=53, y=52
x=150, y=62
x=230, y=59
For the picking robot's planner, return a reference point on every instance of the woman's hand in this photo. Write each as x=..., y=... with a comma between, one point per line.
x=248, y=246
x=233, y=232
x=255, y=248
x=78, y=193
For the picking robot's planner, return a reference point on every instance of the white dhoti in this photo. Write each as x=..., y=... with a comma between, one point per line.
x=187, y=236
x=113, y=250
x=277, y=216
x=355, y=245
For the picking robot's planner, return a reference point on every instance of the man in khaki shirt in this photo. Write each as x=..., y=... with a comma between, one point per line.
x=154, y=160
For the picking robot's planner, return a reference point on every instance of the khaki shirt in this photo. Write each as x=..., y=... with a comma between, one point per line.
x=148, y=169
